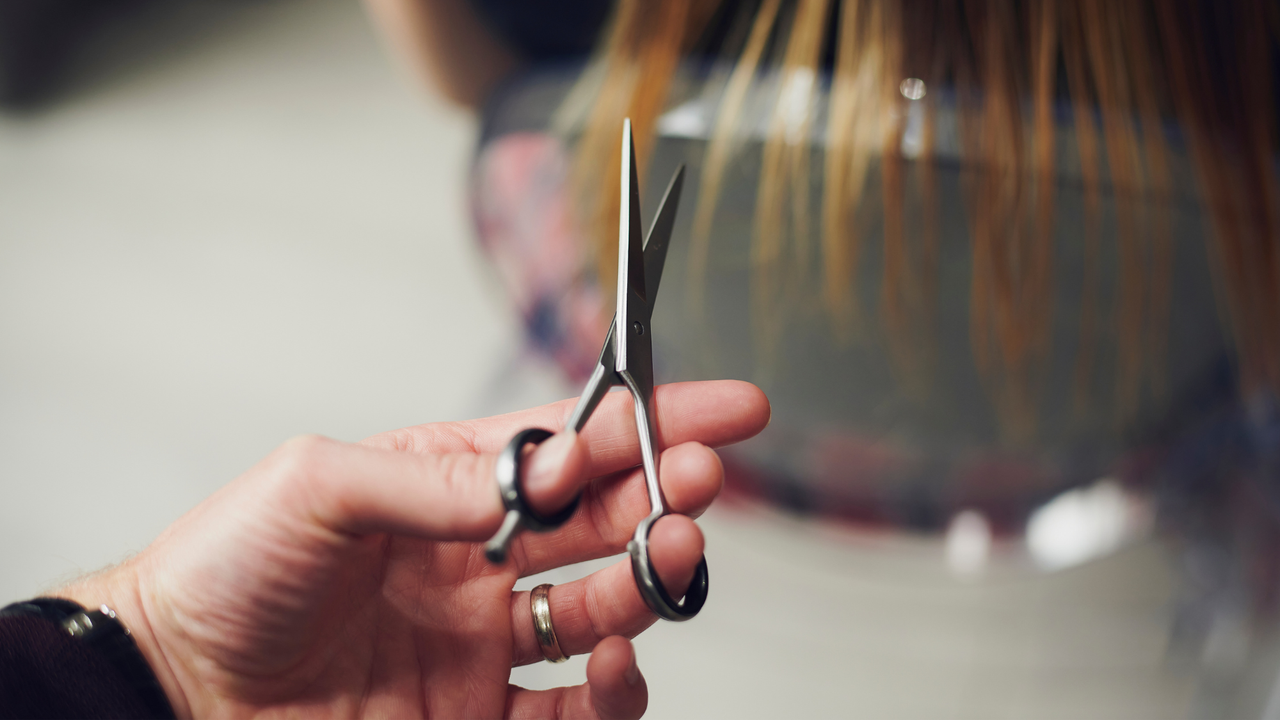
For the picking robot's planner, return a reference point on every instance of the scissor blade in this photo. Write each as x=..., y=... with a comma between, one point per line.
x=631, y=289
x=631, y=240
x=655, y=244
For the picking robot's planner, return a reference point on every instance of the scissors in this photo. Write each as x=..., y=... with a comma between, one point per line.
x=627, y=360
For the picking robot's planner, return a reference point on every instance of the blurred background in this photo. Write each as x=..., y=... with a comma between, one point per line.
x=234, y=224
x=223, y=224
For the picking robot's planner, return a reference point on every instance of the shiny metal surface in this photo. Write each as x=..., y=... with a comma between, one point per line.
x=519, y=513
x=626, y=359
x=540, y=605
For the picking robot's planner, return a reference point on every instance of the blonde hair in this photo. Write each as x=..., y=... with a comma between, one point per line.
x=1127, y=65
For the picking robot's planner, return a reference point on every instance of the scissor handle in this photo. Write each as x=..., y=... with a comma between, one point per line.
x=519, y=512
x=650, y=585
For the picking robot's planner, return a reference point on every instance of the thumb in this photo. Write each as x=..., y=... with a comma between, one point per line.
x=354, y=489
x=553, y=471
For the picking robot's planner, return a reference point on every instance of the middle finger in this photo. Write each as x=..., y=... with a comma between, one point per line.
x=690, y=474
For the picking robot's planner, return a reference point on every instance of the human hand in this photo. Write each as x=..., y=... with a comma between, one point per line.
x=348, y=579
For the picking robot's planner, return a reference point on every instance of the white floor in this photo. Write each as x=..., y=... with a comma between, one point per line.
x=246, y=224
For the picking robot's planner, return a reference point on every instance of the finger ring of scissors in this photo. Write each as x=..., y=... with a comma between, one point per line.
x=627, y=360
x=519, y=512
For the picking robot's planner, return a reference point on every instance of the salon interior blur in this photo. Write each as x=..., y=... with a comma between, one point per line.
x=225, y=223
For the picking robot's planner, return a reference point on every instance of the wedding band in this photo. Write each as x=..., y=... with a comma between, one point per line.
x=540, y=604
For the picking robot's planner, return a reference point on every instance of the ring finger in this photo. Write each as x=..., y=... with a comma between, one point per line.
x=606, y=602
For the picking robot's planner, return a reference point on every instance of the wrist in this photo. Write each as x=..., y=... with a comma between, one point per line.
x=118, y=588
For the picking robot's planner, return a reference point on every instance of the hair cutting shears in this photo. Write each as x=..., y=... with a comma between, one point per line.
x=627, y=360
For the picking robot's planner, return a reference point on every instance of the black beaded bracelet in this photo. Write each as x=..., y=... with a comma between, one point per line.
x=99, y=629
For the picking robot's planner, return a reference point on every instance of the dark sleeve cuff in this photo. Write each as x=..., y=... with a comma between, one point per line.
x=45, y=672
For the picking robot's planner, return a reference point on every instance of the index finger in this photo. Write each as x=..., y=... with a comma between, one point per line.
x=714, y=413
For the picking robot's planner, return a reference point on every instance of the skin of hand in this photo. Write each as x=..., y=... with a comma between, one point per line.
x=349, y=579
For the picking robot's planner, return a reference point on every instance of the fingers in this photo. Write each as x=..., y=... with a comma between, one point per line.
x=714, y=413
x=691, y=476
x=675, y=547
x=607, y=602
x=556, y=470
x=356, y=490
x=615, y=690
x=444, y=487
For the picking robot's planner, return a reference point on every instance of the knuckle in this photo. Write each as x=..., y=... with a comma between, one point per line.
x=299, y=468
x=402, y=440
x=592, y=609
x=302, y=457
x=600, y=518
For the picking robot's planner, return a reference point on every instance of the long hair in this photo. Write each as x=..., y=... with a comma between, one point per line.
x=1133, y=73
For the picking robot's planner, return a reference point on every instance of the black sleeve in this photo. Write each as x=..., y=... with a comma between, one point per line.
x=45, y=672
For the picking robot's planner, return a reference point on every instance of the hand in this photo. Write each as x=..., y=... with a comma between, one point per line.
x=347, y=579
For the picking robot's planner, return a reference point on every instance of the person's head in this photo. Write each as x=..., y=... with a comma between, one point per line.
x=1118, y=91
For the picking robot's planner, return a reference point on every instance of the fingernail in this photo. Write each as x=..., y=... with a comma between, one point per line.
x=548, y=459
x=632, y=675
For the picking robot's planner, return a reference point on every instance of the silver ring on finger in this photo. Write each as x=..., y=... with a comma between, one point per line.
x=540, y=604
